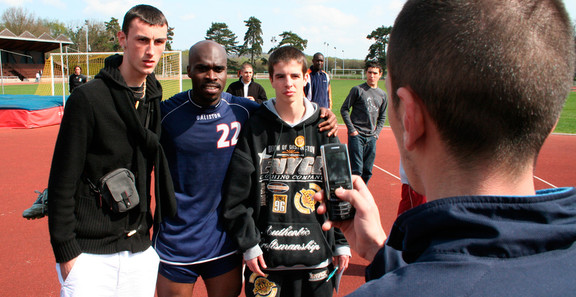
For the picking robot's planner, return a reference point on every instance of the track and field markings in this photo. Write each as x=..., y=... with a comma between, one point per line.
x=387, y=172
x=396, y=177
x=545, y=182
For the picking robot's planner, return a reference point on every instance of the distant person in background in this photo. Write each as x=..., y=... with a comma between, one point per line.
x=38, y=75
x=77, y=78
x=318, y=88
x=364, y=123
x=246, y=86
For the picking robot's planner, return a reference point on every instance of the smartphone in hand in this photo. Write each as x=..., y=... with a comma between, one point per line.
x=337, y=174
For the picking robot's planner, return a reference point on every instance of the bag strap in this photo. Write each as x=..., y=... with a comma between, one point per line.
x=94, y=189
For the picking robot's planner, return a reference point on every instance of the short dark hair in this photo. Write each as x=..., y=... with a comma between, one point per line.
x=286, y=54
x=77, y=66
x=493, y=75
x=246, y=64
x=373, y=64
x=316, y=55
x=147, y=13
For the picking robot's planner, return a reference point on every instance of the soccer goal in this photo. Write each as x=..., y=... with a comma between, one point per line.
x=347, y=73
x=59, y=66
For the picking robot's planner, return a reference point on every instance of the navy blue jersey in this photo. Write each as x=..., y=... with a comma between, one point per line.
x=198, y=143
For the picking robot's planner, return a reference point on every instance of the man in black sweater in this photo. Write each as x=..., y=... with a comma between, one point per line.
x=111, y=122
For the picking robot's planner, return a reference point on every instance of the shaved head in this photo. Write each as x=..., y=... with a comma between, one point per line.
x=207, y=66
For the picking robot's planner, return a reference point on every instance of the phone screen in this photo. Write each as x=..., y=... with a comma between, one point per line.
x=337, y=174
x=337, y=169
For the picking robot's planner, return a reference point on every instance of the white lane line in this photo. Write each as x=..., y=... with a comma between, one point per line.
x=545, y=182
x=388, y=172
x=391, y=174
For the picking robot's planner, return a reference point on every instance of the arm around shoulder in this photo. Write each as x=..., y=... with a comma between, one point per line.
x=240, y=197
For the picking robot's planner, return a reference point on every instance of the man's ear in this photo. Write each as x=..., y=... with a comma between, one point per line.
x=121, y=39
x=412, y=117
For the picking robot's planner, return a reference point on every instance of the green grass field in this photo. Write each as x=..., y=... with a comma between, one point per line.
x=340, y=89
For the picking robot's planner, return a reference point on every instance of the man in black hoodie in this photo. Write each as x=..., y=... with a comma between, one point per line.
x=273, y=174
x=111, y=122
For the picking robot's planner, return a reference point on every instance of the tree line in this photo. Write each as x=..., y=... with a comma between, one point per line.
x=102, y=37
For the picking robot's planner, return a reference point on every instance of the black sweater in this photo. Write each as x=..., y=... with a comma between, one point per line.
x=95, y=139
x=254, y=89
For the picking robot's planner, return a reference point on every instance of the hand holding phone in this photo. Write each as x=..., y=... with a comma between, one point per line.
x=337, y=174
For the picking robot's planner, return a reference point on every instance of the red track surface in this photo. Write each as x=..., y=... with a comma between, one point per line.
x=25, y=155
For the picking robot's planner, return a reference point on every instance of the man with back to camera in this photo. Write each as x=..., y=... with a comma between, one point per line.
x=469, y=126
x=364, y=123
x=246, y=86
x=111, y=122
x=200, y=130
x=77, y=78
x=318, y=87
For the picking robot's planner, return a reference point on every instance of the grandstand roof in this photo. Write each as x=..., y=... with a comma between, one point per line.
x=28, y=42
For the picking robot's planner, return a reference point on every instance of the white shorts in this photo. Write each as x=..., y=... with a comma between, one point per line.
x=119, y=274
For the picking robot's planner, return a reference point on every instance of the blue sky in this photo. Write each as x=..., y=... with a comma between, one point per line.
x=343, y=24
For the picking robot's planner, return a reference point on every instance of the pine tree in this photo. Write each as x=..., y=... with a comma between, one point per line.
x=220, y=33
x=253, y=38
x=377, y=51
x=292, y=39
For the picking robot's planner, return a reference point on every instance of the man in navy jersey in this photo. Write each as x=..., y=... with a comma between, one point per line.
x=318, y=87
x=200, y=130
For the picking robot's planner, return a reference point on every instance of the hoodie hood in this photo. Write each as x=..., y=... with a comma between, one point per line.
x=311, y=115
x=111, y=74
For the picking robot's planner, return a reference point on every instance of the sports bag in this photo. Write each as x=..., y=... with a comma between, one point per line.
x=118, y=190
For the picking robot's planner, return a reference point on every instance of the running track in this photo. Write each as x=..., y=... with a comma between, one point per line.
x=25, y=155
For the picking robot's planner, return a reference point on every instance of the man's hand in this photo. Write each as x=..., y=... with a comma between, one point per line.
x=66, y=267
x=251, y=98
x=354, y=133
x=255, y=263
x=341, y=261
x=331, y=123
x=364, y=233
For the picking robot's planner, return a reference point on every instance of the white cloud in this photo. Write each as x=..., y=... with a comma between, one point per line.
x=320, y=15
x=396, y=5
x=188, y=17
x=110, y=8
x=14, y=2
x=55, y=3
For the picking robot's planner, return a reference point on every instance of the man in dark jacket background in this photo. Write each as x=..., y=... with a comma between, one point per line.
x=77, y=78
x=246, y=86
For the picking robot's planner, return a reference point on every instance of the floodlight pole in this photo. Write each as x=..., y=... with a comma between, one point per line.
x=335, y=55
x=343, y=62
x=1, y=72
x=326, y=57
x=63, y=77
x=87, y=49
x=180, y=72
